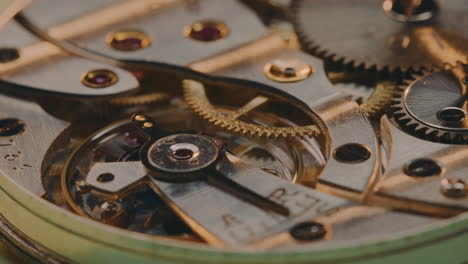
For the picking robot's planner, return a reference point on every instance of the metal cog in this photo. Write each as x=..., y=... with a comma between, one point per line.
x=373, y=99
x=378, y=101
x=195, y=96
x=366, y=34
x=433, y=106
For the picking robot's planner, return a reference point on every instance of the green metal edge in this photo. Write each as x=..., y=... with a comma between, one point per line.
x=85, y=241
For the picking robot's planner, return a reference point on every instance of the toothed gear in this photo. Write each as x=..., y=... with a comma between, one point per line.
x=361, y=34
x=195, y=96
x=378, y=101
x=417, y=106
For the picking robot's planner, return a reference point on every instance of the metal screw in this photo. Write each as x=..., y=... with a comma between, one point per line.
x=451, y=115
x=140, y=118
x=287, y=70
x=112, y=213
x=11, y=127
x=105, y=177
x=128, y=40
x=148, y=124
x=208, y=30
x=8, y=55
x=100, y=78
x=109, y=206
x=308, y=231
x=453, y=188
x=82, y=187
x=352, y=153
x=422, y=168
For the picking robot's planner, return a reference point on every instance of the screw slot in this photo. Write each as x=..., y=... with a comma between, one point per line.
x=308, y=231
x=208, y=30
x=451, y=115
x=11, y=127
x=105, y=177
x=422, y=168
x=128, y=40
x=100, y=78
x=352, y=153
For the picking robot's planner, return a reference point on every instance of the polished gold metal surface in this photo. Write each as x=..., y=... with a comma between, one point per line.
x=288, y=70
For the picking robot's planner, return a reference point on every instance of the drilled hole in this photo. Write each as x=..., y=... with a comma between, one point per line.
x=105, y=177
x=422, y=168
x=352, y=153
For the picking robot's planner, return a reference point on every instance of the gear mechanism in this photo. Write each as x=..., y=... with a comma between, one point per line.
x=196, y=98
x=384, y=35
x=380, y=98
x=373, y=95
x=433, y=106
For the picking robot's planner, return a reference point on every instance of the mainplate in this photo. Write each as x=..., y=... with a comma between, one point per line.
x=204, y=131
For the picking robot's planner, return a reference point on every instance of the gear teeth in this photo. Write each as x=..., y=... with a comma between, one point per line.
x=194, y=93
x=316, y=49
x=401, y=115
x=382, y=96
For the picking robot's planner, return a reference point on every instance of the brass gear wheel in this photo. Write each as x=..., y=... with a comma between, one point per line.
x=382, y=35
x=195, y=96
x=434, y=106
x=378, y=101
x=373, y=95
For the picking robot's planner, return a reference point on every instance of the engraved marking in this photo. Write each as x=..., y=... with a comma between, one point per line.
x=7, y=144
x=12, y=157
x=15, y=159
x=230, y=220
x=298, y=202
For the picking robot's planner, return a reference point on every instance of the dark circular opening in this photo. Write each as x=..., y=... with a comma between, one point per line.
x=127, y=44
x=11, y=127
x=105, y=177
x=290, y=72
x=411, y=10
x=308, y=231
x=182, y=154
x=413, y=7
x=451, y=115
x=422, y=168
x=8, y=55
x=207, y=31
x=99, y=78
x=352, y=153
